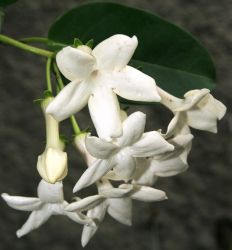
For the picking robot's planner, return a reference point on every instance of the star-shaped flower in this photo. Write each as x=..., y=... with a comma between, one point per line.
x=97, y=76
x=171, y=163
x=199, y=109
x=120, y=154
x=118, y=204
x=50, y=202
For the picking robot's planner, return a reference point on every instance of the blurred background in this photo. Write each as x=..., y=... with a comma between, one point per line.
x=198, y=213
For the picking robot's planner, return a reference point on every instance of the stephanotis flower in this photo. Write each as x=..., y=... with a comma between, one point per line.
x=172, y=163
x=52, y=163
x=117, y=203
x=50, y=202
x=120, y=154
x=97, y=76
x=199, y=109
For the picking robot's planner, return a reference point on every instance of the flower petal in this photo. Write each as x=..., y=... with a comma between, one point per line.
x=178, y=125
x=144, y=175
x=125, y=165
x=192, y=98
x=168, y=167
x=99, y=148
x=85, y=204
x=50, y=193
x=95, y=172
x=105, y=113
x=205, y=114
x=121, y=210
x=148, y=194
x=74, y=63
x=35, y=220
x=71, y=99
x=134, y=85
x=116, y=192
x=80, y=218
x=115, y=52
x=151, y=143
x=133, y=128
x=97, y=214
x=79, y=143
x=22, y=203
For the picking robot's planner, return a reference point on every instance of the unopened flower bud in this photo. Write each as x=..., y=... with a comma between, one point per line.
x=52, y=165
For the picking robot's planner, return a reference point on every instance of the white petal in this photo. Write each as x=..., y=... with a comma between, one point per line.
x=85, y=204
x=97, y=214
x=121, y=210
x=74, y=63
x=80, y=218
x=50, y=193
x=133, y=128
x=168, y=167
x=151, y=143
x=35, y=220
x=95, y=172
x=125, y=165
x=192, y=98
x=99, y=148
x=79, y=143
x=178, y=125
x=71, y=99
x=148, y=194
x=116, y=192
x=105, y=113
x=52, y=165
x=115, y=52
x=134, y=85
x=205, y=114
x=22, y=203
x=175, y=162
x=144, y=175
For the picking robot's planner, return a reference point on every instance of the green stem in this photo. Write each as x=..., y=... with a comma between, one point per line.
x=44, y=40
x=48, y=74
x=58, y=76
x=20, y=45
x=73, y=120
x=34, y=39
x=75, y=125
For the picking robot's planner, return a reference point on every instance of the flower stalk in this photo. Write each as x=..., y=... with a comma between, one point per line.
x=10, y=41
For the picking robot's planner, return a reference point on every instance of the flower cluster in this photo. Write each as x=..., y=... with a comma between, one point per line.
x=123, y=161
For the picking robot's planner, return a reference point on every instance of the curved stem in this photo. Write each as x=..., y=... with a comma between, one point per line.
x=48, y=74
x=73, y=120
x=20, y=45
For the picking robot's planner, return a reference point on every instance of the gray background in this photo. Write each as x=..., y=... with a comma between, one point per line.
x=198, y=199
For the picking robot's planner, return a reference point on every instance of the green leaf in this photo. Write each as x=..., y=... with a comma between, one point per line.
x=4, y=3
x=172, y=56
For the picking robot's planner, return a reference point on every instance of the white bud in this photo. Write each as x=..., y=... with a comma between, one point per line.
x=52, y=165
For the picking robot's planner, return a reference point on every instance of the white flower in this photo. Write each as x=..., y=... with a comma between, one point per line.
x=198, y=109
x=168, y=164
x=50, y=202
x=52, y=163
x=97, y=76
x=120, y=154
x=118, y=204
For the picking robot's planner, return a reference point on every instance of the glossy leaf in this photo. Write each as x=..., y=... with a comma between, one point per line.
x=4, y=3
x=173, y=57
